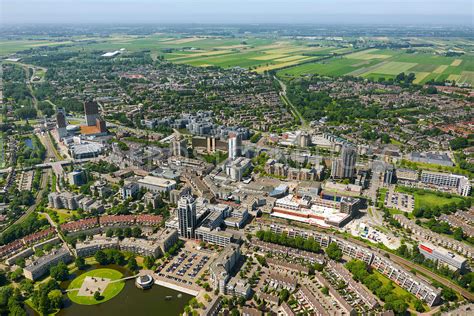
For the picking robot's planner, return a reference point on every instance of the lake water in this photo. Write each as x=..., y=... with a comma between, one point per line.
x=130, y=301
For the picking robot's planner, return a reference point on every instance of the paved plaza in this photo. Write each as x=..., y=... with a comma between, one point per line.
x=93, y=284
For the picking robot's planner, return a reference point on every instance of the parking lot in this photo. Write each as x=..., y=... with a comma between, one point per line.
x=403, y=202
x=186, y=266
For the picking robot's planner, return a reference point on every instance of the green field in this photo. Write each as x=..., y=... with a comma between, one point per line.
x=11, y=46
x=259, y=54
x=426, y=199
x=384, y=63
x=110, y=291
x=291, y=57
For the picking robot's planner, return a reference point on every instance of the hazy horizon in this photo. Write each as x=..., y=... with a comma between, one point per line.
x=416, y=12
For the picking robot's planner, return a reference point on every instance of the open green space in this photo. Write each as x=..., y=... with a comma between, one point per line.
x=426, y=200
x=110, y=291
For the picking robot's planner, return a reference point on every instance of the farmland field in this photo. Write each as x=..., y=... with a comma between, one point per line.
x=378, y=63
x=259, y=54
x=290, y=57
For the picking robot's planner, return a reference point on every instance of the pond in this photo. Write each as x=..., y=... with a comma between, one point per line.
x=29, y=143
x=130, y=301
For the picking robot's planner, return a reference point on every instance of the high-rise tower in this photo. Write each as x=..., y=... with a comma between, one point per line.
x=187, y=216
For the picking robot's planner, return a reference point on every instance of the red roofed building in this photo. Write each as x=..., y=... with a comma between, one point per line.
x=32, y=238
x=10, y=248
x=79, y=225
x=149, y=219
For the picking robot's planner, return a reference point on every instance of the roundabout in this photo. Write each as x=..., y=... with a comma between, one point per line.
x=96, y=286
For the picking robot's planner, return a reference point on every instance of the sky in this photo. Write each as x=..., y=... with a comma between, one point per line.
x=439, y=12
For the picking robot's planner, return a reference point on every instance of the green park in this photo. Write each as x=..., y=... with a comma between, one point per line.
x=83, y=288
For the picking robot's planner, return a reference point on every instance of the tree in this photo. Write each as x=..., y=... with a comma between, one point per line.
x=136, y=232
x=127, y=232
x=132, y=264
x=97, y=296
x=419, y=306
x=56, y=298
x=101, y=257
x=119, y=232
x=334, y=252
x=148, y=262
x=458, y=234
x=284, y=295
x=109, y=233
x=60, y=272
x=80, y=263
x=325, y=290
x=448, y=294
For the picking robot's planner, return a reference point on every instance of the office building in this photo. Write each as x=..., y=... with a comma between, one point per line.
x=447, y=181
x=179, y=147
x=235, y=145
x=76, y=177
x=443, y=257
x=61, y=123
x=130, y=190
x=91, y=112
x=156, y=184
x=236, y=168
x=187, y=220
x=344, y=167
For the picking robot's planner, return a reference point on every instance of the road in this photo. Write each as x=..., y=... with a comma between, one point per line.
x=51, y=152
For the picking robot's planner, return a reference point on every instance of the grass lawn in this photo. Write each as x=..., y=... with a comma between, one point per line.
x=426, y=199
x=110, y=291
x=63, y=215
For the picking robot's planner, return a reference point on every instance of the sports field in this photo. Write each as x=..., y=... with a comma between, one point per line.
x=385, y=63
x=80, y=286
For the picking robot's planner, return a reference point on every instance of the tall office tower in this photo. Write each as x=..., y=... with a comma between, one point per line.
x=91, y=111
x=187, y=216
x=61, y=122
x=344, y=167
x=348, y=157
x=235, y=145
x=179, y=147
